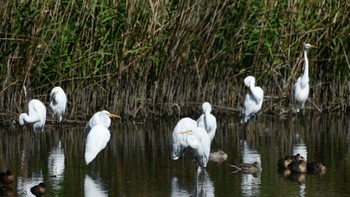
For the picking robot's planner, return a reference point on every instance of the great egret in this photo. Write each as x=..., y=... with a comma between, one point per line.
x=102, y=118
x=187, y=134
x=6, y=178
x=253, y=99
x=252, y=168
x=99, y=134
x=284, y=162
x=58, y=103
x=207, y=120
x=301, y=87
x=178, y=140
x=36, y=117
x=38, y=190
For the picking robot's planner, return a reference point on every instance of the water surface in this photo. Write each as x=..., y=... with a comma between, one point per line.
x=136, y=161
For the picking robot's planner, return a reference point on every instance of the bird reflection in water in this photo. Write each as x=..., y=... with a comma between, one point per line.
x=93, y=188
x=56, y=166
x=202, y=185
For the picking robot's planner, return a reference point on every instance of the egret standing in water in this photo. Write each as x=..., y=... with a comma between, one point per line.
x=301, y=87
x=36, y=115
x=99, y=135
x=253, y=99
x=207, y=120
x=187, y=134
x=58, y=103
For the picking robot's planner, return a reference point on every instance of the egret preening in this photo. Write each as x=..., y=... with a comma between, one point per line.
x=178, y=140
x=253, y=99
x=58, y=103
x=301, y=87
x=187, y=134
x=99, y=135
x=36, y=115
x=207, y=120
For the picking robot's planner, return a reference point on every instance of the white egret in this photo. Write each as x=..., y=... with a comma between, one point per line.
x=197, y=139
x=178, y=140
x=58, y=103
x=36, y=117
x=253, y=99
x=207, y=120
x=99, y=134
x=102, y=118
x=301, y=87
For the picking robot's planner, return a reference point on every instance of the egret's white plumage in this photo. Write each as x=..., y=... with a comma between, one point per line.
x=58, y=103
x=301, y=87
x=199, y=141
x=207, y=120
x=100, y=118
x=187, y=134
x=178, y=140
x=36, y=115
x=98, y=135
x=96, y=141
x=253, y=99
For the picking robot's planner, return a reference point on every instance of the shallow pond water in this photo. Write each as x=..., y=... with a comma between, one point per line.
x=136, y=161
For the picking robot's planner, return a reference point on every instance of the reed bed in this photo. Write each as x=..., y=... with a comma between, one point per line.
x=145, y=58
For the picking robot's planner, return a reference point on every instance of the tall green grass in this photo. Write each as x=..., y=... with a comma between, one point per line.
x=141, y=58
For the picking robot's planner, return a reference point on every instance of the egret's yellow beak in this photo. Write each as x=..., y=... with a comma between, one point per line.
x=54, y=94
x=313, y=46
x=184, y=131
x=113, y=115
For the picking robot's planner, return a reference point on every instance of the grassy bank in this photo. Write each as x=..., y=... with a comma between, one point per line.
x=142, y=58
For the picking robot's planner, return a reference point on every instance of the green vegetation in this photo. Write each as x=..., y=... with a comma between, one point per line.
x=141, y=58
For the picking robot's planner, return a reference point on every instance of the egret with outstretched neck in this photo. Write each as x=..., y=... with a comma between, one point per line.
x=301, y=87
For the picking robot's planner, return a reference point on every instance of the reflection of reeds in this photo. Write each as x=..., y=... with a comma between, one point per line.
x=152, y=56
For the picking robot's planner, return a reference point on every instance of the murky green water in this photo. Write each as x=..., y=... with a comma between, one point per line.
x=136, y=161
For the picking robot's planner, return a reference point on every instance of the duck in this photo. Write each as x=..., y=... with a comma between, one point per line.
x=299, y=166
x=284, y=162
x=38, y=190
x=218, y=156
x=316, y=168
x=6, y=191
x=252, y=168
x=6, y=178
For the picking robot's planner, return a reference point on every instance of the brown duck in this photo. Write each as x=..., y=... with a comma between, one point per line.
x=6, y=178
x=284, y=162
x=38, y=190
x=252, y=168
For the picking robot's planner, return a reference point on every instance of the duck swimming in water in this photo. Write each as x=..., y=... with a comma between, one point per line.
x=252, y=168
x=6, y=178
x=218, y=156
x=284, y=162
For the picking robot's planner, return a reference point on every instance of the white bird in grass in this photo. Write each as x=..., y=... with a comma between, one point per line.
x=58, y=103
x=99, y=134
x=187, y=134
x=253, y=99
x=301, y=87
x=36, y=115
x=207, y=120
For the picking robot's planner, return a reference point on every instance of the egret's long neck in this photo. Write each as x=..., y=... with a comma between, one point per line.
x=306, y=64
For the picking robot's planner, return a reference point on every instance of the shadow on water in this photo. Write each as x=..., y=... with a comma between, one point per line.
x=136, y=161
